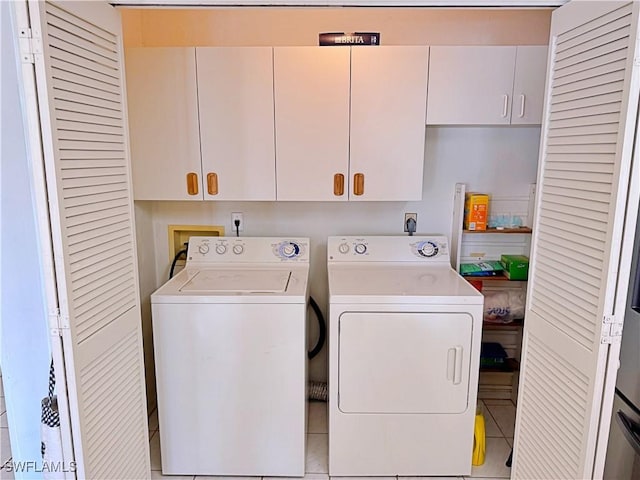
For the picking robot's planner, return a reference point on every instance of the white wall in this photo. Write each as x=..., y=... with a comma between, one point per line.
x=497, y=160
x=24, y=340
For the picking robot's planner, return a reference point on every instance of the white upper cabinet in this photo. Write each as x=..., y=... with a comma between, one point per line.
x=235, y=98
x=312, y=122
x=528, y=85
x=163, y=120
x=486, y=85
x=388, y=99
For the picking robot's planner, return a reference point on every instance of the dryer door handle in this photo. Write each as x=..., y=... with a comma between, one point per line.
x=454, y=364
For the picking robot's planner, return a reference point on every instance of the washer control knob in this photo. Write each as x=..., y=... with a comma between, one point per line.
x=203, y=248
x=428, y=249
x=360, y=248
x=221, y=249
x=343, y=248
x=238, y=249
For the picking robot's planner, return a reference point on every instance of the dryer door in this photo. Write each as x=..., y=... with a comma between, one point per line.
x=402, y=362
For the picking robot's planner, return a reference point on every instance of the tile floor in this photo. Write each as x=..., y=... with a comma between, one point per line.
x=5, y=445
x=499, y=425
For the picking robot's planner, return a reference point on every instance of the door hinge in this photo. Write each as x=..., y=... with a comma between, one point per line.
x=57, y=323
x=30, y=44
x=611, y=329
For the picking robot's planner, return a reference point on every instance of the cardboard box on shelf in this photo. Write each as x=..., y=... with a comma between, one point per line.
x=516, y=267
x=476, y=211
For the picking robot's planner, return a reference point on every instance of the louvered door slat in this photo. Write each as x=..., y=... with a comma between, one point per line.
x=70, y=127
x=582, y=94
x=586, y=139
x=573, y=108
x=105, y=221
x=109, y=272
x=560, y=197
x=590, y=68
x=581, y=197
x=98, y=80
x=76, y=184
x=88, y=220
x=98, y=52
x=91, y=68
x=592, y=200
x=81, y=107
x=574, y=78
x=586, y=158
x=96, y=265
x=88, y=278
x=589, y=282
x=610, y=76
x=88, y=172
x=85, y=137
x=582, y=176
x=91, y=92
x=604, y=36
x=603, y=117
x=581, y=130
x=594, y=26
x=588, y=167
x=63, y=20
x=95, y=100
x=609, y=148
x=90, y=136
x=86, y=81
x=92, y=233
x=90, y=119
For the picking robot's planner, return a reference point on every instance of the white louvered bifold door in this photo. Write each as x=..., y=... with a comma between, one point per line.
x=583, y=189
x=81, y=97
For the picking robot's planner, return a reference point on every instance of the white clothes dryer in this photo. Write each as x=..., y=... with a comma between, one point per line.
x=404, y=351
x=230, y=355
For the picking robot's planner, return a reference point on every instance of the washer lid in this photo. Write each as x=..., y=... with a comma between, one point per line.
x=237, y=281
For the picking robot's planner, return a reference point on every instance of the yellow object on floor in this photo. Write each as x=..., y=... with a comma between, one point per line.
x=479, y=442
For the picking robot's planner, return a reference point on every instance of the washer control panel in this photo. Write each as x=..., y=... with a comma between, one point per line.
x=203, y=250
x=432, y=248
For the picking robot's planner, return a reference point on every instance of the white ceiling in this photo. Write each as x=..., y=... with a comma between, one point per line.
x=339, y=3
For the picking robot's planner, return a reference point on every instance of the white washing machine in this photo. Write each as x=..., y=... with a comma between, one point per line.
x=404, y=352
x=229, y=337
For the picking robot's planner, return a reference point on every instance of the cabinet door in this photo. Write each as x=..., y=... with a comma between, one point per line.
x=388, y=100
x=235, y=100
x=312, y=121
x=528, y=85
x=470, y=85
x=163, y=121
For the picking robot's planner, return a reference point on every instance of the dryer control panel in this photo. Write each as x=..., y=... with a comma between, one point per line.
x=204, y=250
x=433, y=248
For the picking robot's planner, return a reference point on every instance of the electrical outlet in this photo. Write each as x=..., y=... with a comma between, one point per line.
x=237, y=216
x=407, y=216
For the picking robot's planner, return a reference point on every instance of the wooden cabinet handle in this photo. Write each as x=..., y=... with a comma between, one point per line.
x=212, y=183
x=338, y=184
x=358, y=184
x=192, y=183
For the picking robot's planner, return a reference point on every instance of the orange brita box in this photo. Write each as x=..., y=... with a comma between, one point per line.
x=476, y=211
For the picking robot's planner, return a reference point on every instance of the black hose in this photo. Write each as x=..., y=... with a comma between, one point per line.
x=322, y=328
x=175, y=260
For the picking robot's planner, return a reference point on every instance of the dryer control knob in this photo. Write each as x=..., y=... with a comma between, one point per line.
x=203, y=249
x=428, y=249
x=221, y=249
x=360, y=248
x=343, y=248
x=289, y=249
x=238, y=249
